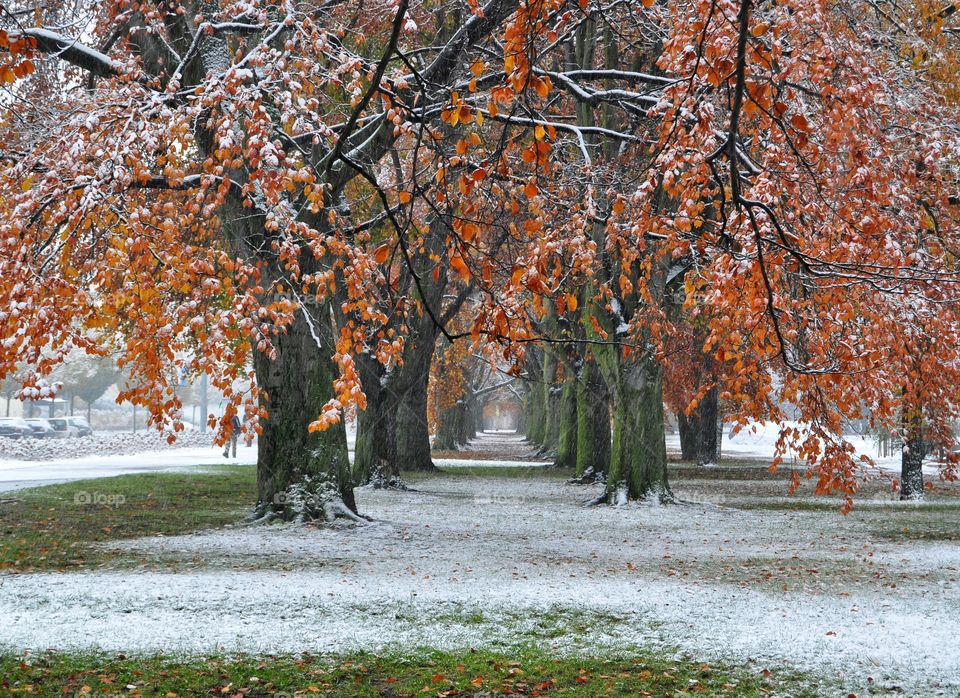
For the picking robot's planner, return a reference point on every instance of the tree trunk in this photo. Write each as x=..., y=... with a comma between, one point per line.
x=412, y=428
x=911, y=457
x=449, y=428
x=393, y=433
x=203, y=403
x=567, y=427
x=301, y=475
x=638, y=459
x=593, y=425
x=551, y=429
x=472, y=420
x=688, y=447
x=374, y=452
x=698, y=432
x=536, y=420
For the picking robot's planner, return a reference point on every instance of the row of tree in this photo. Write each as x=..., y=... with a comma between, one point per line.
x=697, y=201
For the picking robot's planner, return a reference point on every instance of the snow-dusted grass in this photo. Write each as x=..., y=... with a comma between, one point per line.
x=479, y=560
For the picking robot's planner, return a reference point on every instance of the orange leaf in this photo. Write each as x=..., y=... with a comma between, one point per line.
x=381, y=253
x=469, y=231
x=543, y=88
x=456, y=261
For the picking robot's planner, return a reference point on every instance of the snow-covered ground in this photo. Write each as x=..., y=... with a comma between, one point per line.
x=470, y=560
x=758, y=441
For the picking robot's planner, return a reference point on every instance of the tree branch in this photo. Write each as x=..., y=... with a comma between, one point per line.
x=73, y=52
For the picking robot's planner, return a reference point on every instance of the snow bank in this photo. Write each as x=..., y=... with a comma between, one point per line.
x=99, y=443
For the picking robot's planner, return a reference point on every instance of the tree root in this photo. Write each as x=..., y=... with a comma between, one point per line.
x=596, y=501
x=305, y=502
x=259, y=517
x=589, y=477
x=394, y=483
x=382, y=479
x=334, y=509
x=619, y=498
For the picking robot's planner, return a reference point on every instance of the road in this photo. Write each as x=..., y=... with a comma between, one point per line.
x=16, y=475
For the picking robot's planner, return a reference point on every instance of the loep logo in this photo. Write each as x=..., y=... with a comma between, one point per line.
x=84, y=498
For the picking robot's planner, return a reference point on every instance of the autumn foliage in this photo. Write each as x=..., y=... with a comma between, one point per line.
x=780, y=176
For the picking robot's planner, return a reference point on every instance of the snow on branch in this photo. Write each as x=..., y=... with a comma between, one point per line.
x=73, y=52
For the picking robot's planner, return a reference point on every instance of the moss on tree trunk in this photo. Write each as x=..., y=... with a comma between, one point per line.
x=300, y=474
x=536, y=414
x=567, y=436
x=593, y=424
x=638, y=458
x=551, y=400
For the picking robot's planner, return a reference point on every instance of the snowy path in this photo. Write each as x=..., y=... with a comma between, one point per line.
x=16, y=474
x=470, y=560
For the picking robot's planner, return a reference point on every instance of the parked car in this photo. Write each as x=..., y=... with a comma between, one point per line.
x=41, y=428
x=14, y=428
x=83, y=428
x=63, y=428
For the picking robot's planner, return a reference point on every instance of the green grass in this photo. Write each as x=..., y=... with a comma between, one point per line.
x=929, y=524
x=832, y=503
x=52, y=527
x=527, y=672
x=728, y=470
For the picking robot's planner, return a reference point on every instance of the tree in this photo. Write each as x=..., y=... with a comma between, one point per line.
x=692, y=390
x=393, y=433
x=790, y=172
x=215, y=153
x=87, y=377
